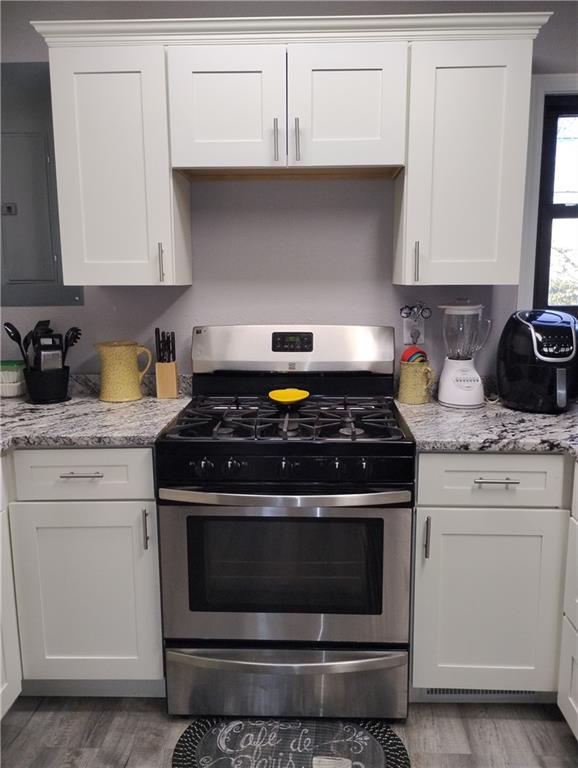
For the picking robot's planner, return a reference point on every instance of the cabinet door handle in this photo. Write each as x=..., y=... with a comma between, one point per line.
x=507, y=481
x=416, y=262
x=427, y=546
x=276, y=137
x=297, y=140
x=81, y=476
x=161, y=263
x=145, y=528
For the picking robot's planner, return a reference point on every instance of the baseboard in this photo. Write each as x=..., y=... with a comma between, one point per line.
x=475, y=696
x=135, y=688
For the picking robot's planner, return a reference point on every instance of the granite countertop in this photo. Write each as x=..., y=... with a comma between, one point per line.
x=491, y=428
x=85, y=422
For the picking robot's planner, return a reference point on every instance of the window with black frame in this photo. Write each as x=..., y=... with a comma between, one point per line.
x=556, y=280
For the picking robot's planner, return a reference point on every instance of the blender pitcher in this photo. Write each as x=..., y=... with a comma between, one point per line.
x=465, y=332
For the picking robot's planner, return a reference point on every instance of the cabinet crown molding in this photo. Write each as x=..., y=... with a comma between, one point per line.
x=473, y=26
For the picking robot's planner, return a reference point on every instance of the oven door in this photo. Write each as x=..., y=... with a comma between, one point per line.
x=292, y=569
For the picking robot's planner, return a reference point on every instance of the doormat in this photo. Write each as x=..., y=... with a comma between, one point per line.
x=267, y=743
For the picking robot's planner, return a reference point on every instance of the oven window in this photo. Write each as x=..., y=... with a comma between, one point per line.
x=280, y=565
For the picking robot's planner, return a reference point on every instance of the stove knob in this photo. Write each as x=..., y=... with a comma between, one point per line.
x=336, y=469
x=362, y=469
x=232, y=467
x=285, y=468
x=205, y=468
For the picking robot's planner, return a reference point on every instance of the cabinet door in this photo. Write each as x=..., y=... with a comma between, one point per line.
x=347, y=103
x=227, y=105
x=112, y=164
x=488, y=598
x=568, y=679
x=468, y=134
x=10, y=667
x=87, y=589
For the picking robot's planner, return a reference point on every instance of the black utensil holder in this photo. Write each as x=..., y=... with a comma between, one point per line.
x=46, y=387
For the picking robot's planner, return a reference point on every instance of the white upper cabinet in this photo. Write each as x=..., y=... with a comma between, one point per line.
x=462, y=195
x=347, y=103
x=227, y=105
x=115, y=192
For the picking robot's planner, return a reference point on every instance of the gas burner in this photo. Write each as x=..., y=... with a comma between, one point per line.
x=350, y=430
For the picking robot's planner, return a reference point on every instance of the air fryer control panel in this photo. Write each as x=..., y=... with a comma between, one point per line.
x=554, y=343
x=553, y=334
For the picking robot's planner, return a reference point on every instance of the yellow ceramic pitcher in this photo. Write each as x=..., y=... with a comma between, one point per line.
x=120, y=376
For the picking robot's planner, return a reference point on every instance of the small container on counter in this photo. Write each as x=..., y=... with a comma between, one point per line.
x=49, y=386
x=12, y=382
x=415, y=383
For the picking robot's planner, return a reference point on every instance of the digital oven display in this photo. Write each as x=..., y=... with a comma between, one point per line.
x=292, y=342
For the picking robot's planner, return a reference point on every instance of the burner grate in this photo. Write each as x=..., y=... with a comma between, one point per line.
x=318, y=419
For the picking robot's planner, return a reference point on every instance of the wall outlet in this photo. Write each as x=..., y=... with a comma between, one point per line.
x=415, y=326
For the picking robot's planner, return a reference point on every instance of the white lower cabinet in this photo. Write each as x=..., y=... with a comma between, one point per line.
x=87, y=589
x=568, y=680
x=488, y=597
x=10, y=667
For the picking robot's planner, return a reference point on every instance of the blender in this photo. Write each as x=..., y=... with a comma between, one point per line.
x=465, y=333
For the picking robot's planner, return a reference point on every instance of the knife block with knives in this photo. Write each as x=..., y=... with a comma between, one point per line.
x=166, y=365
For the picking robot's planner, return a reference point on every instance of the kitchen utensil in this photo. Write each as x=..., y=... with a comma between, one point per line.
x=538, y=361
x=288, y=398
x=27, y=341
x=465, y=333
x=413, y=355
x=48, y=352
x=14, y=335
x=120, y=376
x=71, y=337
x=158, y=345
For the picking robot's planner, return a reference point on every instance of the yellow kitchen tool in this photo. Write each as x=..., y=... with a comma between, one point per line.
x=288, y=396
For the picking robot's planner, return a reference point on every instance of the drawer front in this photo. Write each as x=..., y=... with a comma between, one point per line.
x=102, y=473
x=571, y=586
x=492, y=480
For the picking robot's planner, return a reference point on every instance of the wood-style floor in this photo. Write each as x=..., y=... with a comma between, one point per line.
x=137, y=733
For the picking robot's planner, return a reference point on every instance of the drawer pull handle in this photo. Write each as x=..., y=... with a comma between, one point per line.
x=427, y=546
x=145, y=528
x=81, y=476
x=507, y=481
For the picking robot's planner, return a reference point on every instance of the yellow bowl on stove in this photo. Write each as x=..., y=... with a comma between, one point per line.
x=288, y=396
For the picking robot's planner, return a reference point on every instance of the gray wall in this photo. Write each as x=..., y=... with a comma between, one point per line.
x=274, y=251
x=270, y=252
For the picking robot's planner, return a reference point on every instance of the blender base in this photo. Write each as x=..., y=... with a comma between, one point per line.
x=460, y=385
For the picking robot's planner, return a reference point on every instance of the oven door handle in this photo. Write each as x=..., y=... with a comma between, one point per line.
x=225, y=664
x=381, y=499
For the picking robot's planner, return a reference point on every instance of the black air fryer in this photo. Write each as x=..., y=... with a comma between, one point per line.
x=538, y=361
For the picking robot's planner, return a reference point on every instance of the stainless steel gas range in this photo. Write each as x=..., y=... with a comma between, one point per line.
x=285, y=531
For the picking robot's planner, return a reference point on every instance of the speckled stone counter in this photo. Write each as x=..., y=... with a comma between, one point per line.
x=85, y=422
x=490, y=428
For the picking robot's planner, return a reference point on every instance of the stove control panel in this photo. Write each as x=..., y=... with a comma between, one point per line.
x=300, y=341
x=296, y=470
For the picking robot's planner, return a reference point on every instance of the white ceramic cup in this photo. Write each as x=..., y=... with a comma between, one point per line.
x=331, y=762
